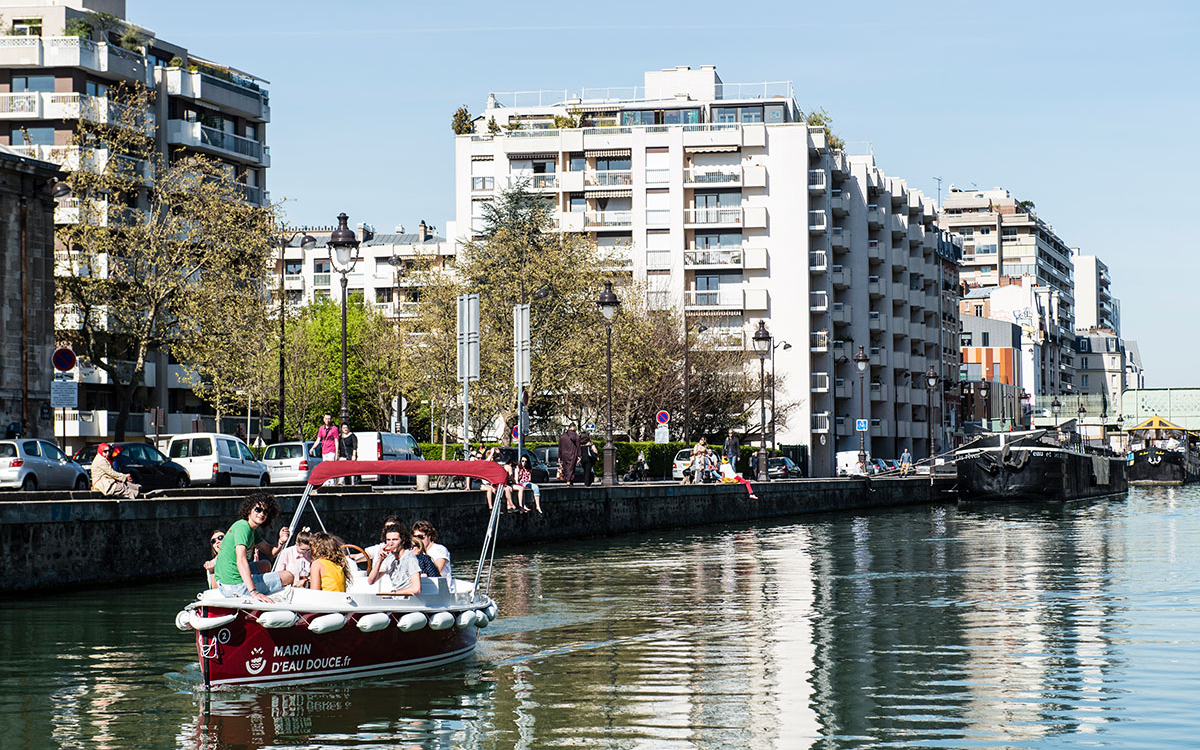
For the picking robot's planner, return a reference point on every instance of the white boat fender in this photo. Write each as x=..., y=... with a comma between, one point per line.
x=492, y=611
x=208, y=623
x=481, y=619
x=182, y=620
x=466, y=619
x=441, y=621
x=327, y=623
x=374, y=621
x=414, y=621
x=279, y=618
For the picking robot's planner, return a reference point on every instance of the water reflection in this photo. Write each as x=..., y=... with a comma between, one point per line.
x=943, y=626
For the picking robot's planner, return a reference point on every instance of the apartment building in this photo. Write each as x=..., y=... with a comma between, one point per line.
x=58, y=62
x=1101, y=366
x=1095, y=305
x=991, y=355
x=733, y=210
x=1135, y=373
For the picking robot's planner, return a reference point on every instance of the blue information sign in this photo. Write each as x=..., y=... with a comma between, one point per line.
x=862, y=425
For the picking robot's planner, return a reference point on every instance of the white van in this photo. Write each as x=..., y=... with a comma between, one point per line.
x=221, y=460
x=387, y=446
x=847, y=464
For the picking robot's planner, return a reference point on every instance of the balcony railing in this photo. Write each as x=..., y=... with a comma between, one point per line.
x=608, y=178
x=722, y=339
x=608, y=218
x=713, y=257
x=818, y=261
x=816, y=180
x=818, y=301
x=543, y=181
x=712, y=216
x=817, y=221
x=712, y=175
x=230, y=142
x=819, y=341
x=820, y=421
x=820, y=382
x=726, y=299
x=321, y=279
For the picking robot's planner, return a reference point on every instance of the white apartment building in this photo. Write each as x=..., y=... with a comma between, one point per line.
x=1095, y=306
x=1101, y=368
x=52, y=71
x=1005, y=242
x=733, y=210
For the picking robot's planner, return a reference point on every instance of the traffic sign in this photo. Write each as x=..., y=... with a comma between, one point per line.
x=63, y=359
x=663, y=417
x=862, y=425
x=64, y=394
x=516, y=432
x=662, y=434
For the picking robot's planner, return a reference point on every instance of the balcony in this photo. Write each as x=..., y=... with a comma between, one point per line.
x=916, y=233
x=881, y=428
x=714, y=258
x=875, y=287
x=879, y=392
x=712, y=216
x=96, y=423
x=321, y=280
x=817, y=139
x=818, y=302
x=817, y=181
x=899, y=225
x=874, y=216
x=818, y=261
x=818, y=341
x=839, y=164
x=842, y=389
x=875, y=251
x=724, y=299
x=71, y=106
x=818, y=221
x=841, y=314
x=198, y=136
x=903, y=393
x=611, y=178
x=900, y=360
x=879, y=357
x=899, y=257
x=608, y=218
x=72, y=52
x=820, y=382
x=876, y=322
x=722, y=340
x=837, y=238
x=245, y=98
x=840, y=277
x=820, y=421
x=293, y=281
x=708, y=176
x=616, y=257
x=839, y=203
x=541, y=181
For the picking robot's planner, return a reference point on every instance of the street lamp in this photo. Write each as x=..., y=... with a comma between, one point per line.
x=306, y=243
x=860, y=361
x=931, y=379
x=762, y=347
x=987, y=406
x=343, y=254
x=1055, y=408
x=1079, y=421
x=1121, y=429
x=687, y=379
x=1025, y=410
x=609, y=307
x=785, y=346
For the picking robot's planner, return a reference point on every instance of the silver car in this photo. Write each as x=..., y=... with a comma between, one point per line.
x=39, y=465
x=290, y=463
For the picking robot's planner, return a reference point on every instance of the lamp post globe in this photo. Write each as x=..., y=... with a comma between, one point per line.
x=343, y=254
x=1055, y=408
x=860, y=361
x=931, y=379
x=306, y=243
x=762, y=347
x=609, y=306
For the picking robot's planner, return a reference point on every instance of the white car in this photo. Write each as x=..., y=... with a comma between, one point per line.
x=387, y=446
x=290, y=463
x=213, y=458
x=39, y=465
x=682, y=459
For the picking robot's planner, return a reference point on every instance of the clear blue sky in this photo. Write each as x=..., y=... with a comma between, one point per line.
x=1089, y=109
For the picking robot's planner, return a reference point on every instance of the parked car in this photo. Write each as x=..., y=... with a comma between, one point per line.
x=214, y=458
x=39, y=465
x=538, y=472
x=879, y=466
x=144, y=464
x=548, y=456
x=388, y=446
x=290, y=463
x=782, y=467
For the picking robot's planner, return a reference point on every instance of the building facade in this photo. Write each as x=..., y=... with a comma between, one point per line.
x=1095, y=306
x=1101, y=367
x=59, y=61
x=733, y=210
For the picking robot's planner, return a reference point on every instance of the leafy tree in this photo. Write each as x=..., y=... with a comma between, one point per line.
x=493, y=128
x=461, y=122
x=820, y=118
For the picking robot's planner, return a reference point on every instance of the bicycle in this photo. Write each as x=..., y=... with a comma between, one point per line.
x=441, y=482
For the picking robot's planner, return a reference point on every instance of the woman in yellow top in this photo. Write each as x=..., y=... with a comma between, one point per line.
x=330, y=566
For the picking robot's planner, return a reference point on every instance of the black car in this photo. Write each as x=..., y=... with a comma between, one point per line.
x=539, y=473
x=548, y=456
x=144, y=464
x=782, y=467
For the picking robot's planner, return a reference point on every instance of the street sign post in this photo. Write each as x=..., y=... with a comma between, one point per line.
x=468, y=355
x=63, y=359
x=64, y=391
x=862, y=425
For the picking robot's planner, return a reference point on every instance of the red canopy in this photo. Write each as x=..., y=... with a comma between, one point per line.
x=489, y=471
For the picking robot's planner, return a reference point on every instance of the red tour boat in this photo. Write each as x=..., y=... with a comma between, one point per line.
x=314, y=636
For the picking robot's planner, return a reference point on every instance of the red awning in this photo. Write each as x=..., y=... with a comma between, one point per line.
x=488, y=471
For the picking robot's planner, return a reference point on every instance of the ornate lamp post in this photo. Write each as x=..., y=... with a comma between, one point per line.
x=343, y=254
x=860, y=361
x=785, y=346
x=987, y=406
x=931, y=379
x=687, y=379
x=1025, y=410
x=762, y=347
x=1079, y=421
x=306, y=243
x=1121, y=429
x=1055, y=408
x=609, y=306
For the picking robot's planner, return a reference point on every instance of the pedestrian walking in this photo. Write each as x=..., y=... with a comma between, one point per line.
x=905, y=463
x=587, y=458
x=568, y=454
x=327, y=437
x=732, y=449
x=347, y=447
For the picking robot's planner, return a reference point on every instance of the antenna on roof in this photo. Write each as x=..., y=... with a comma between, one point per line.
x=939, y=198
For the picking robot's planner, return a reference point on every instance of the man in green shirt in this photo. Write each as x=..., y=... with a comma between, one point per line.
x=235, y=574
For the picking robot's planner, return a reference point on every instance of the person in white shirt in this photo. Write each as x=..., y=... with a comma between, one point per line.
x=397, y=562
x=426, y=533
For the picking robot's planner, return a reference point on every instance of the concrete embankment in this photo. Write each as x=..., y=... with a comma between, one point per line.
x=51, y=541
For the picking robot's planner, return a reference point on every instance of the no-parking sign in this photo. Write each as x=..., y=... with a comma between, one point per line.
x=663, y=417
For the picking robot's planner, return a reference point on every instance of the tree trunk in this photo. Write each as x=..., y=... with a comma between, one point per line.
x=124, y=394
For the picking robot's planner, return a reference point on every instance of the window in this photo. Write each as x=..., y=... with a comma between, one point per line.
x=773, y=113
x=99, y=90
x=483, y=183
x=384, y=293
x=750, y=114
x=27, y=27
x=724, y=114
x=985, y=249
x=246, y=454
x=985, y=230
x=1083, y=363
x=1008, y=233
x=1083, y=380
x=201, y=447
x=617, y=163
x=576, y=203
x=964, y=339
x=321, y=265
x=706, y=240
x=985, y=339
x=21, y=83
x=576, y=163
x=40, y=136
x=978, y=311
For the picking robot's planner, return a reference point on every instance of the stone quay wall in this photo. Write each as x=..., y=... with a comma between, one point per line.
x=54, y=541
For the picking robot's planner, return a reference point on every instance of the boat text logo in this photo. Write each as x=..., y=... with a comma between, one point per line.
x=256, y=662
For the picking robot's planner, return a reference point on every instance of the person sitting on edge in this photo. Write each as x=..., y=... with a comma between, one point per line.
x=524, y=481
x=108, y=481
x=233, y=571
x=215, y=547
x=425, y=532
x=330, y=566
x=396, y=560
x=297, y=559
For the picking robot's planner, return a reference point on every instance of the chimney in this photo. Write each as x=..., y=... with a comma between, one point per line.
x=422, y=231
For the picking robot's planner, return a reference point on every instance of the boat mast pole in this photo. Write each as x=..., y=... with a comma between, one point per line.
x=493, y=522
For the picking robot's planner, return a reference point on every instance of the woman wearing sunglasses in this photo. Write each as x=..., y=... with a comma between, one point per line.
x=215, y=547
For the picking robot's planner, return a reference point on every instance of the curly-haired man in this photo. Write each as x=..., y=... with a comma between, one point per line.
x=234, y=572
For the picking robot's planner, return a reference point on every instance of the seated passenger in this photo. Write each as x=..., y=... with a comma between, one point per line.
x=215, y=547
x=233, y=570
x=330, y=566
x=389, y=523
x=297, y=559
x=397, y=562
x=424, y=532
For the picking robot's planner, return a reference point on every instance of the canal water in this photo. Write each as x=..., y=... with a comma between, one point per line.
x=950, y=627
